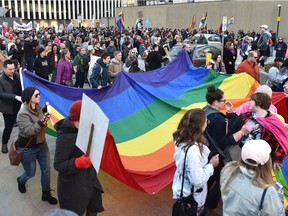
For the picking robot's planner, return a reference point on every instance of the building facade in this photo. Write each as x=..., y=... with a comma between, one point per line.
x=61, y=9
x=71, y=9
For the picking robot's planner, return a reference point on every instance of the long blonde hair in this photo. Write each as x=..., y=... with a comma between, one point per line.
x=263, y=176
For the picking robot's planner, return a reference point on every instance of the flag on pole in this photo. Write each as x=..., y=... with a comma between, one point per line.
x=192, y=24
x=147, y=23
x=230, y=21
x=220, y=28
x=120, y=21
x=203, y=22
x=70, y=27
x=4, y=28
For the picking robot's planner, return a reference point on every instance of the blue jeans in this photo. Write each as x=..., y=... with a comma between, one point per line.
x=42, y=155
x=29, y=63
x=54, y=74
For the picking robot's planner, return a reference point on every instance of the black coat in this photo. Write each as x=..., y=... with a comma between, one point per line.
x=154, y=60
x=228, y=56
x=41, y=67
x=8, y=90
x=76, y=187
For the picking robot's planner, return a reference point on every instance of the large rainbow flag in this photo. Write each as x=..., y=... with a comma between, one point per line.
x=144, y=110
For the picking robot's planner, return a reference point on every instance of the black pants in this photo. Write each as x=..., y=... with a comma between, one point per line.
x=9, y=121
x=214, y=194
x=80, y=78
x=264, y=54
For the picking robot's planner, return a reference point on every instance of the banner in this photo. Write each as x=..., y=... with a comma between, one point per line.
x=27, y=27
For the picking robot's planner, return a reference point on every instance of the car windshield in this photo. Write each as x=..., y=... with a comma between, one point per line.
x=202, y=52
x=214, y=38
x=175, y=50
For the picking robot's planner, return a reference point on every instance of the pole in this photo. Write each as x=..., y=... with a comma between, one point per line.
x=107, y=14
x=224, y=28
x=278, y=19
x=90, y=140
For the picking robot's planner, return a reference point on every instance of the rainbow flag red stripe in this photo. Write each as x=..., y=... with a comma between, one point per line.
x=144, y=110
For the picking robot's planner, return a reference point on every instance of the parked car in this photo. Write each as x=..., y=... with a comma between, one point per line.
x=212, y=39
x=198, y=53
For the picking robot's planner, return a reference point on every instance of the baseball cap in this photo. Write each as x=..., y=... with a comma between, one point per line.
x=264, y=89
x=278, y=59
x=264, y=26
x=255, y=152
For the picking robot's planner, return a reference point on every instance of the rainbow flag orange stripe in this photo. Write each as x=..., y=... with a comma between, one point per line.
x=144, y=110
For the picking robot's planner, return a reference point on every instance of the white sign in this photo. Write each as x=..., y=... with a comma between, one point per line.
x=27, y=27
x=224, y=23
x=79, y=18
x=92, y=114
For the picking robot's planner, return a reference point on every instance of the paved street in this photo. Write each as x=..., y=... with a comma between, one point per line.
x=118, y=199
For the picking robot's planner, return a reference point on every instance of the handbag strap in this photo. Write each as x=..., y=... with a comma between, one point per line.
x=215, y=144
x=184, y=167
x=261, y=202
x=27, y=144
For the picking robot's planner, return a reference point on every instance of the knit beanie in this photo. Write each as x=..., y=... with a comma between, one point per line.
x=27, y=94
x=75, y=110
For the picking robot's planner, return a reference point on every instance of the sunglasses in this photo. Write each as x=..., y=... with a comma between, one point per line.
x=255, y=57
x=223, y=100
x=37, y=95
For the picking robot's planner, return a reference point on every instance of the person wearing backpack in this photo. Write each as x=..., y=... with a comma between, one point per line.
x=99, y=77
x=222, y=134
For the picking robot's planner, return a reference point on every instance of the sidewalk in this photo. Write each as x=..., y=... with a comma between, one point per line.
x=118, y=199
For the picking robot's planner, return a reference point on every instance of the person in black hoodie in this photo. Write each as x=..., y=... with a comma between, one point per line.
x=41, y=64
x=79, y=189
x=29, y=53
x=154, y=58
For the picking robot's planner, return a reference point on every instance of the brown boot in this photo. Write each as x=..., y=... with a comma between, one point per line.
x=4, y=149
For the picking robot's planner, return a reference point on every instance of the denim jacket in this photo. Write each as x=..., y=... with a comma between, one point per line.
x=198, y=171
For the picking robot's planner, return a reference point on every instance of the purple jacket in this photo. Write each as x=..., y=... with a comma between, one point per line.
x=64, y=71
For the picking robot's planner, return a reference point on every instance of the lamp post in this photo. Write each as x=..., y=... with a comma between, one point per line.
x=107, y=14
x=79, y=20
x=278, y=18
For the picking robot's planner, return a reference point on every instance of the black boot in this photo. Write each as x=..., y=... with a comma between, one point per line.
x=4, y=149
x=46, y=196
x=21, y=187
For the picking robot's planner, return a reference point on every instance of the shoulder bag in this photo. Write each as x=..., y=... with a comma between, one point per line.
x=15, y=156
x=185, y=206
x=231, y=153
x=261, y=202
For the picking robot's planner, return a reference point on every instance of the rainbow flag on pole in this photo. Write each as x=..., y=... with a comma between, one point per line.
x=144, y=110
x=230, y=21
x=120, y=21
x=192, y=24
x=203, y=22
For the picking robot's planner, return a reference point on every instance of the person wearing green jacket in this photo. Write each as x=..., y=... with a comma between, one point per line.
x=202, y=39
x=80, y=66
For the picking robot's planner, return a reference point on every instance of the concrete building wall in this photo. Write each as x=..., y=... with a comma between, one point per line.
x=248, y=14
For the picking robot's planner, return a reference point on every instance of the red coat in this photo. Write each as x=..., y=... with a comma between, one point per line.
x=250, y=69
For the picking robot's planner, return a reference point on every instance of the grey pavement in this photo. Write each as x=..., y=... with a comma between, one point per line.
x=118, y=199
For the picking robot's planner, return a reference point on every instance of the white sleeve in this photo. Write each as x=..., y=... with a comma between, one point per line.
x=198, y=172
